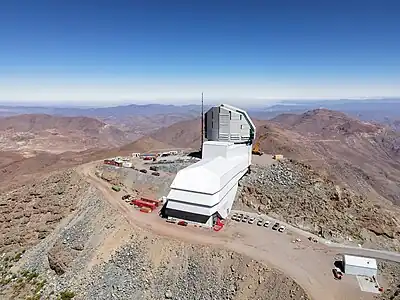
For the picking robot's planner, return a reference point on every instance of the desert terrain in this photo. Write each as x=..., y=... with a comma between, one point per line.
x=29, y=134
x=67, y=235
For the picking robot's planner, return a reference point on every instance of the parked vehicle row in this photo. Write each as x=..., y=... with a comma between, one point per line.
x=260, y=222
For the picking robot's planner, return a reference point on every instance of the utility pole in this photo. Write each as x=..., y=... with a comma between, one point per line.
x=202, y=122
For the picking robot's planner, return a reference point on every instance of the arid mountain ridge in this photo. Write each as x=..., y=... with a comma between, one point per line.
x=359, y=154
x=57, y=134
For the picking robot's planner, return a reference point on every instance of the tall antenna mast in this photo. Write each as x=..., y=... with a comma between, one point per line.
x=202, y=122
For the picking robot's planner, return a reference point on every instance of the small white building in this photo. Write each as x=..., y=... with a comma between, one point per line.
x=127, y=164
x=361, y=266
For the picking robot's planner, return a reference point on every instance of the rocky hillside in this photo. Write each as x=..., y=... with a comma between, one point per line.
x=56, y=134
x=295, y=193
x=361, y=155
x=30, y=212
x=78, y=247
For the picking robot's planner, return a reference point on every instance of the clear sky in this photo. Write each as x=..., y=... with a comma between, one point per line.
x=109, y=52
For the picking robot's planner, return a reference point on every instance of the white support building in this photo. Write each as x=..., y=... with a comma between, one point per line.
x=360, y=266
x=206, y=190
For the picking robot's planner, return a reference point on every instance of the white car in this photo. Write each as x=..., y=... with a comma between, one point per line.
x=251, y=220
x=281, y=228
x=266, y=224
x=245, y=218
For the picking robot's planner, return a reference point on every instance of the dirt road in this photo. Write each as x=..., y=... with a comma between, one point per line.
x=307, y=263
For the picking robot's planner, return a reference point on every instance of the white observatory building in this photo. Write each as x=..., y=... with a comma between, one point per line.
x=206, y=190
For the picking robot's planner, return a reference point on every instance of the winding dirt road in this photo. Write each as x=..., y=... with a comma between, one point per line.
x=307, y=263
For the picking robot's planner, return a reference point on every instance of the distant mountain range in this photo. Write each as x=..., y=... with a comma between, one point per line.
x=123, y=110
x=379, y=110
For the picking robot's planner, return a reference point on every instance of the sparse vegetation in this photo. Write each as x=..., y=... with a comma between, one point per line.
x=66, y=295
x=25, y=284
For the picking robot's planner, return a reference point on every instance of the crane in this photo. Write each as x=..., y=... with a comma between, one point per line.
x=256, y=149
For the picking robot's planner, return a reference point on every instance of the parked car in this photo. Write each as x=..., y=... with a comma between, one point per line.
x=153, y=168
x=125, y=197
x=339, y=271
x=245, y=218
x=171, y=220
x=239, y=217
x=182, y=223
x=266, y=224
x=336, y=274
x=251, y=220
x=234, y=216
x=155, y=173
x=276, y=226
x=260, y=222
x=281, y=228
x=143, y=171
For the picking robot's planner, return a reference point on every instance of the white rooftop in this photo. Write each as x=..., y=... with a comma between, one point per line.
x=359, y=261
x=207, y=175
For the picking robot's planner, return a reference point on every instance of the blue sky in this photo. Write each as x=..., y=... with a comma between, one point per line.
x=110, y=52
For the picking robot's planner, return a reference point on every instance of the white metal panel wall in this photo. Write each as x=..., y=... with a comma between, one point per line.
x=226, y=125
x=212, y=124
x=361, y=271
x=212, y=150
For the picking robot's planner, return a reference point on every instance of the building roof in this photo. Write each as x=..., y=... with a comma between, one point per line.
x=359, y=261
x=208, y=175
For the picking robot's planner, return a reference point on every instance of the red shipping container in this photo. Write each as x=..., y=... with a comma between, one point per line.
x=141, y=203
x=155, y=202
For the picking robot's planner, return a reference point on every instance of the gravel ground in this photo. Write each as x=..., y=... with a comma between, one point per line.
x=132, y=179
x=294, y=193
x=154, y=268
x=140, y=265
x=392, y=274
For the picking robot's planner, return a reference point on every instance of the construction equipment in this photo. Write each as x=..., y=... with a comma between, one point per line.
x=145, y=209
x=256, y=149
x=278, y=157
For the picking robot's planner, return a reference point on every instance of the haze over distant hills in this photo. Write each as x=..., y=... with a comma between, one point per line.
x=380, y=110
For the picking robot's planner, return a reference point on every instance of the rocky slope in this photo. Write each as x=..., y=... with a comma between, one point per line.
x=364, y=156
x=94, y=254
x=392, y=271
x=295, y=193
x=30, y=212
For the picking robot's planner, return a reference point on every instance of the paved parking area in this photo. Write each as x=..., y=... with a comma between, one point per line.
x=366, y=285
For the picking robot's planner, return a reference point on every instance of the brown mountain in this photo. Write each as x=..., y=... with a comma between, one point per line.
x=364, y=156
x=185, y=134
x=144, y=144
x=57, y=134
